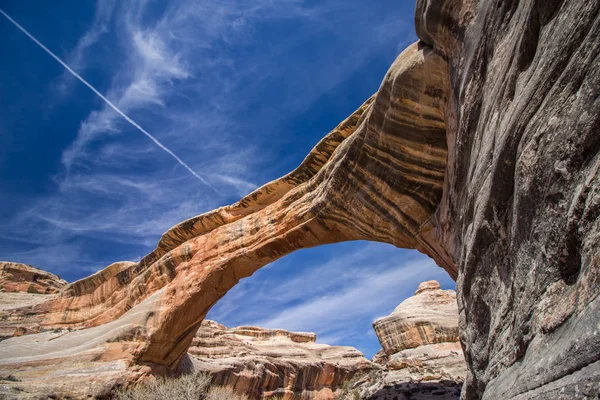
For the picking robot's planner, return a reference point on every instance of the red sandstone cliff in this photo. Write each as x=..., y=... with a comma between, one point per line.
x=16, y=277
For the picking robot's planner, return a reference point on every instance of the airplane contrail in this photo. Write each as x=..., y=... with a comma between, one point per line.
x=93, y=89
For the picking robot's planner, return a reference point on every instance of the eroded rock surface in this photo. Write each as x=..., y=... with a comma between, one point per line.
x=255, y=361
x=78, y=364
x=480, y=149
x=377, y=176
x=421, y=356
x=429, y=317
x=16, y=277
x=521, y=205
x=263, y=363
x=23, y=286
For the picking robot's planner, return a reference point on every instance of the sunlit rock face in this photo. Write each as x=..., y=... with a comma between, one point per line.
x=16, y=277
x=480, y=149
x=429, y=317
x=377, y=176
x=421, y=354
x=24, y=286
x=263, y=362
x=258, y=362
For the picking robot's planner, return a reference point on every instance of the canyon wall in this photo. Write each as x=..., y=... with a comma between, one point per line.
x=519, y=214
x=266, y=363
x=260, y=363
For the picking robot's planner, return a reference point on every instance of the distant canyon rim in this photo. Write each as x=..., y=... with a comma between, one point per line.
x=481, y=149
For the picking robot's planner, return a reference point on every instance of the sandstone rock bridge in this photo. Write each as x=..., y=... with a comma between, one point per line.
x=480, y=149
x=377, y=176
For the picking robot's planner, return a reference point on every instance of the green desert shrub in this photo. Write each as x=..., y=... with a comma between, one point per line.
x=32, y=289
x=187, y=387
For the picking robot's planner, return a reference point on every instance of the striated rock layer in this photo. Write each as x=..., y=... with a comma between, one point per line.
x=262, y=363
x=431, y=316
x=377, y=176
x=521, y=204
x=480, y=149
x=16, y=277
x=421, y=356
x=258, y=362
x=24, y=286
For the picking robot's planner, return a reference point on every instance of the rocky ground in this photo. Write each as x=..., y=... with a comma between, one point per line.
x=23, y=285
x=262, y=362
x=16, y=300
x=421, y=357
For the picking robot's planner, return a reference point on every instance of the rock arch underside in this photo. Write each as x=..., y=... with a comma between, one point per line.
x=480, y=149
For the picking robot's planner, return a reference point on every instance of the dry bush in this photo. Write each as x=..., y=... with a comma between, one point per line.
x=186, y=387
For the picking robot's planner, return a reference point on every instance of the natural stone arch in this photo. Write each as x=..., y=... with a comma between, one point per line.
x=377, y=176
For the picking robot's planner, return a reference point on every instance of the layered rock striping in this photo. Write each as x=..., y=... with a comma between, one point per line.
x=24, y=286
x=421, y=356
x=263, y=363
x=393, y=147
x=21, y=278
x=479, y=149
x=429, y=317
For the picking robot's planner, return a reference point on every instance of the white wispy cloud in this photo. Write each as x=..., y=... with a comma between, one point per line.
x=241, y=186
x=110, y=104
x=77, y=57
x=337, y=296
x=200, y=77
x=65, y=257
x=357, y=299
x=203, y=77
x=122, y=215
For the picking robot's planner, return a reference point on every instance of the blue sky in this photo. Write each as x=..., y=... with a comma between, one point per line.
x=240, y=91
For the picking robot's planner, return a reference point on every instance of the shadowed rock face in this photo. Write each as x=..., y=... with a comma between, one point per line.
x=480, y=149
x=521, y=201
